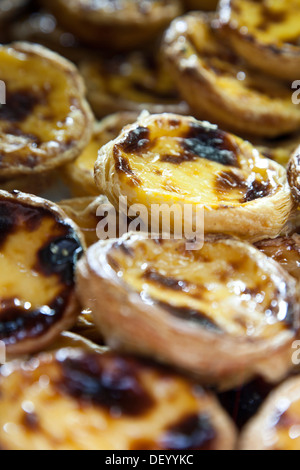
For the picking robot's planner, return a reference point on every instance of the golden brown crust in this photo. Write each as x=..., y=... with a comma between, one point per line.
x=218, y=85
x=177, y=160
x=117, y=403
x=276, y=425
x=122, y=25
x=44, y=126
x=265, y=34
x=171, y=295
x=40, y=246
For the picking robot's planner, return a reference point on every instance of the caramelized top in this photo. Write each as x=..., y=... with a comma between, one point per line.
x=38, y=252
x=227, y=287
x=272, y=22
x=44, y=115
x=169, y=157
x=117, y=402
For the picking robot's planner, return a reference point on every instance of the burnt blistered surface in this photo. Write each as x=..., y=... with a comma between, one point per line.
x=251, y=190
x=209, y=143
x=58, y=256
x=136, y=141
x=19, y=105
x=106, y=381
x=193, y=432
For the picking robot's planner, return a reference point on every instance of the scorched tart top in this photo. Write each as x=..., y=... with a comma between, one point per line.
x=46, y=120
x=121, y=403
x=39, y=247
x=183, y=299
x=172, y=159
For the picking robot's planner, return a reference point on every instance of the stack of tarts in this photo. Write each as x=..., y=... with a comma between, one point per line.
x=147, y=339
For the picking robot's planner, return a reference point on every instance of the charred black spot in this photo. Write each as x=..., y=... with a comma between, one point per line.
x=135, y=141
x=18, y=323
x=257, y=190
x=60, y=257
x=194, y=432
x=14, y=215
x=191, y=315
x=19, y=105
x=122, y=166
x=211, y=144
x=106, y=381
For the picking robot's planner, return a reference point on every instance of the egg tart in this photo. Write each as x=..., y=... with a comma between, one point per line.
x=39, y=248
x=220, y=87
x=265, y=33
x=224, y=312
x=116, y=403
x=46, y=121
x=178, y=164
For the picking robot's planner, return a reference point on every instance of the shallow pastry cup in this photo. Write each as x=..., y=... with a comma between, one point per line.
x=40, y=246
x=265, y=34
x=117, y=402
x=120, y=25
x=220, y=87
x=224, y=312
x=79, y=175
x=276, y=425
x=133, y=82
x=46, y=121
x=211, y=180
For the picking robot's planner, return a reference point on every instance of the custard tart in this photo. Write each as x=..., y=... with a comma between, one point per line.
x=40, y=246
x=224, y=312
x=46, y=121
x=265, y=33
x=131, y=82
x=175, y=162
x=76, y=399
x=220, y=87
x=120, y=25
x=276, y=425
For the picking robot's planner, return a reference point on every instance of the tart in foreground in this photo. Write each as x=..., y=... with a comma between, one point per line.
x=39, y=246
x=225, y=312
x=116, y=403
